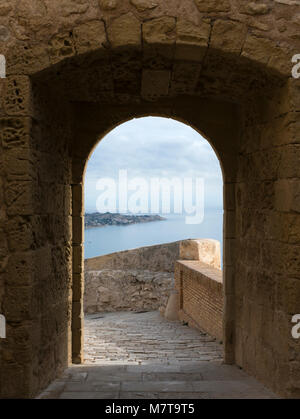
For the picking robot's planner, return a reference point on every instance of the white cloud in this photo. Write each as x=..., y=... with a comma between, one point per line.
x=154, y=146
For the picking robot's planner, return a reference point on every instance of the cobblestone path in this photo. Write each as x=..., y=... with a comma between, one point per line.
x=142, y=355
x=145, y=337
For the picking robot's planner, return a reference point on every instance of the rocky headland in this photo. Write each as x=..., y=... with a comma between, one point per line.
x=97, y=219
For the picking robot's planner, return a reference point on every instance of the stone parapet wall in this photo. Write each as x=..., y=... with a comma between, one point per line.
x=158, y=258
x=142, y=278
x=200, y=296
x=132, y=290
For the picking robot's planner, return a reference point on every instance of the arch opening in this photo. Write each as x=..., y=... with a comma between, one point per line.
x=163, y=174
x=152, y=184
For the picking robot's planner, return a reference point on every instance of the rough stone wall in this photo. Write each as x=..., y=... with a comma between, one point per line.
x=142, y=278
x=161, y=257
x=200, y=296
x=207, y=251
x=112, y=290
x=224, y=67
x=267, y=292
x=36, y=269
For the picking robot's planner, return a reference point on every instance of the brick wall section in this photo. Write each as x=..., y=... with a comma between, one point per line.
x=200, y=297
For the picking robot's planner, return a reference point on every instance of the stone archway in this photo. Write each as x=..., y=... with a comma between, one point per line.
x=211, y=65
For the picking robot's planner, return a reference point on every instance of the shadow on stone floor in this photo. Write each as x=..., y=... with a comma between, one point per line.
x=202, y=380
x=144, y=356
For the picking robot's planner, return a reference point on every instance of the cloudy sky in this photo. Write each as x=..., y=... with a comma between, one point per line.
x=154, y=147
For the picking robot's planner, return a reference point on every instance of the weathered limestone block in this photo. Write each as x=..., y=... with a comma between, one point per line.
x=125, y=31
x=280, y=226
x=77, y=319
x=101, y=81
x=19, y=198
x=206, y=250
x=75, y=7
x=77, y=204
x=280, y=61
x=155, y=84
x=5, y=7
x=20, y=271
x=61, y=46
x=186, y=72
x=15, y=132
x=77, y=287
x=228, y=36
x=284, y=257
x=213, y=5
x=31, y=14
x=283, y=130
x=17, y=96
x=77, y=231
x=288, y=167
x=266, y=52
x=18, y=304
x=77, y=259
x=258, y=49
x=89, y=36
x=27, y=58
x=108, y=4
x=143, y=5
x=20, y=236
x=253, y=8
x=287, y=195
x=192, y=40
x=159, y=36
x=159, y=31
x=67, y=200
x=278, y=104
x=185, y=78
x=18, y=164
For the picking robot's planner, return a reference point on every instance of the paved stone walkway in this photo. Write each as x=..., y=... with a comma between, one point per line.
x=140, y=338
x=142, y=355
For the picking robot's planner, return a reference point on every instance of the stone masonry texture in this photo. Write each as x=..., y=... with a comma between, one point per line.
x=142, y=278
x=77, y=69
x=131, y=290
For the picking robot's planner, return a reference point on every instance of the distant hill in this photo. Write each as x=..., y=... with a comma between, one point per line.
x=97, y=219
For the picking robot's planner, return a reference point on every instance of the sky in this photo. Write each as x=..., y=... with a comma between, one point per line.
x=153, y=147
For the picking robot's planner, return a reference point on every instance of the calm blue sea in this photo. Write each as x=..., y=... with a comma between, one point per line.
x=109, y=239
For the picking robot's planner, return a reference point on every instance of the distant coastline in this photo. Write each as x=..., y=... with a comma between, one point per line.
x=97, y=219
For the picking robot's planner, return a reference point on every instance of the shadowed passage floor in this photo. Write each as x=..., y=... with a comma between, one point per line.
x=132, y=355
